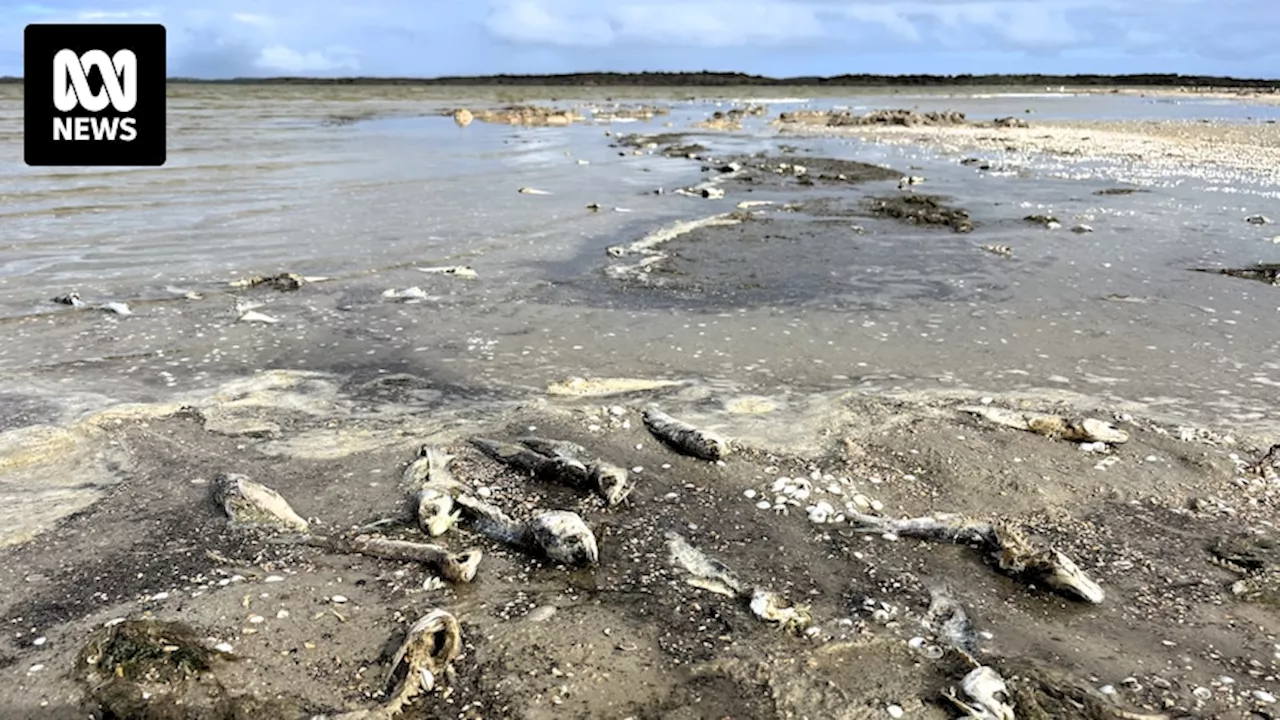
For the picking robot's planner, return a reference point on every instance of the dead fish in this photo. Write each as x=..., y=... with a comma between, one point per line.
x=254, y=316
x=454, y=567
x=563, y=469
x=434, y=488
x=772, y=607
x=989, y=694
x=1052, y=426
x=463, y=271
x=71, y=298
x=561, y=536
x=248, y=503
x=599, y=387
x=947, y=619
x=1001, y=250
x=610, y=481
x=283, y=282
x=118, y=308
x=412, y=293
x=1013, y=554
x=426, y=654
x=712, y=575
x=1258, y=220
x=533, y=191
x=907, y=182
x=685, y=438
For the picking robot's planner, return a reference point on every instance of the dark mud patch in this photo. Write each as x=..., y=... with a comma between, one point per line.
x=669, y=144
x=792, y=258
x=772, y=172
x=1119, y=191
x=1268, y=273
x=923, y=210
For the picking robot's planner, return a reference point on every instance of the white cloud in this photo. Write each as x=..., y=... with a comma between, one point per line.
x=115, y=14
x=278, y=58
x=252, y=19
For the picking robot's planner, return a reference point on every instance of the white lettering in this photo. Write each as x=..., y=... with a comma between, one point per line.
x=95, y=128
x=119, y=80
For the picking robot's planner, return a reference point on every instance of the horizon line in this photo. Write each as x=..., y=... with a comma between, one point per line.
x=1157, y=79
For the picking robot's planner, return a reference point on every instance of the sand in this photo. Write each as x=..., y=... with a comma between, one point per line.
x=1174, y=524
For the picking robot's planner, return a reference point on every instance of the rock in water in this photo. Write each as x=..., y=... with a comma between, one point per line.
x=685, y=438
x=251, y=504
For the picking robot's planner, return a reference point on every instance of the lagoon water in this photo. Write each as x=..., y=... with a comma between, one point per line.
x=364, y=186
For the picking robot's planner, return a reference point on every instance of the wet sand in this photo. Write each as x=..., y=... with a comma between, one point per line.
x=842, y=348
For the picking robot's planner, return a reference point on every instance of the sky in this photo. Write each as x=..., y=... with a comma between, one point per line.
x=421, y=38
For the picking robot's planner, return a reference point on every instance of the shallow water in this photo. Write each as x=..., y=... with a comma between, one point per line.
x=257, y=184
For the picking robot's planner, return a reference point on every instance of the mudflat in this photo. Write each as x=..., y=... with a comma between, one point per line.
x=899, y=472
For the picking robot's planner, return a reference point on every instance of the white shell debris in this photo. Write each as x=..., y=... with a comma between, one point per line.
x=256, y=317
x=533, y=191
x=118, y=308
x=895, y=711
x=463, y=271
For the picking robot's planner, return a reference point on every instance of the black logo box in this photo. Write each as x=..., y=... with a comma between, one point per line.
x=41, y=43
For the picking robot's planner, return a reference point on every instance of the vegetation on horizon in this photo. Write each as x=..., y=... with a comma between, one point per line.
x=727, y=79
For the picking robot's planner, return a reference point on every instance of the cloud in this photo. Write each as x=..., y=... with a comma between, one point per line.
x=252, y=19
x=211, y=38
x=278, y=59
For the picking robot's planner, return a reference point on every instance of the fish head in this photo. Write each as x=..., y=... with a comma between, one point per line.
x=566, y=539
x=435, y=512
x=989, y=693
x=614, y=483
x=1066, y=576
x=462, y=566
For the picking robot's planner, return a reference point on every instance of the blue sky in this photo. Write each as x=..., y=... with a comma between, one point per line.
x=225, y=38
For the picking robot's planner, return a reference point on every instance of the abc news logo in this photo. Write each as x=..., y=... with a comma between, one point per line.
x=94, y=95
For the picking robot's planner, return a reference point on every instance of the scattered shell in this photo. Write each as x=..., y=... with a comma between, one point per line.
x=463, y=271
x=533, y=191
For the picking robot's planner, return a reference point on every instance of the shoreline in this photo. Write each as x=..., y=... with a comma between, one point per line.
x=817, y=605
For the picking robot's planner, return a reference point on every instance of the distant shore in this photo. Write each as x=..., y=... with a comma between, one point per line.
x=719, y=79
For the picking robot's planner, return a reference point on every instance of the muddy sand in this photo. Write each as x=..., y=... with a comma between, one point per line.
x=302, y=632
x=128, y=592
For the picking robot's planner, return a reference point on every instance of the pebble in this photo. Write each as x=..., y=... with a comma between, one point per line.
x=35, y=669
x=750, y=494
x=282, y=614
x=764, y=505
x=39, y=641
x=1264, y=697
x=895, y=711
x=224, y=647
x=339, y=599
x=274, y=579
x=257, y=620
x=1202, y=693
